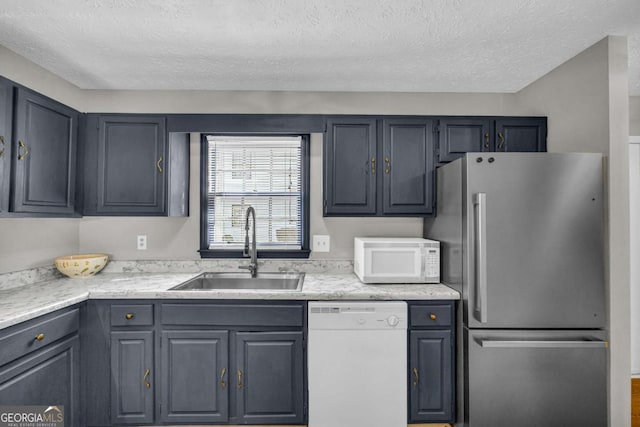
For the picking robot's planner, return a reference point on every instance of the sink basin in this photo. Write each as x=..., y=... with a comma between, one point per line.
x=268, y=281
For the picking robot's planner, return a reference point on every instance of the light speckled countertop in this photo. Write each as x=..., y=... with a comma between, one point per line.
x=28, y=301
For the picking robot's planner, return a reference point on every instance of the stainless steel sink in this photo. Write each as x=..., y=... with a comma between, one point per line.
x=270, y=281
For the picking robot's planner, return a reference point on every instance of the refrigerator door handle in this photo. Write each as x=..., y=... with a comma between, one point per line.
x=541, y=344
x=480, y=212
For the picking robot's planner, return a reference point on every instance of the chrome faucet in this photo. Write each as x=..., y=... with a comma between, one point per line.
x=253, y=253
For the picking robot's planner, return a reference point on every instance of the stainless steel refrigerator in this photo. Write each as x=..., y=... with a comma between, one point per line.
x=522, y=239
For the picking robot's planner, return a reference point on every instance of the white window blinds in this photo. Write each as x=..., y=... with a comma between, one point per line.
x=263, y=172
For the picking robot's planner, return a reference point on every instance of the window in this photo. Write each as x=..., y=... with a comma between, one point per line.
x=269, y=173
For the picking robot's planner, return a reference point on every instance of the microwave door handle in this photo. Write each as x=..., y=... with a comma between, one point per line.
x=480, y=216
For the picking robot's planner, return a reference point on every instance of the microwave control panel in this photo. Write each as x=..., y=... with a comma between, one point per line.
x=433, y=263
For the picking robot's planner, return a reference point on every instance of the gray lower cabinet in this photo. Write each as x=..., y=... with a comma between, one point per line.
x=233, y=362
x=270, y=377
x=40, y=364
x=132, y=377
x=195, y=376
x=431, y=362
x=187, y=362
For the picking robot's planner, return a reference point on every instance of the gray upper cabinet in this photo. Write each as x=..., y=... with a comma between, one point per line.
x=6, y=110
x=407, y=166
x=375, y=166
x=132, y=377
x=270, y=377
x=521, y=134
x=130, y=159
x=44, y=155
x=459, y=135
x=195, y=376
x=350, y=147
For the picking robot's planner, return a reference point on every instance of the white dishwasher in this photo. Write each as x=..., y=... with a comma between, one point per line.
x=357, y=364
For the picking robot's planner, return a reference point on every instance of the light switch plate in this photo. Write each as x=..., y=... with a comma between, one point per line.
x=321, y=243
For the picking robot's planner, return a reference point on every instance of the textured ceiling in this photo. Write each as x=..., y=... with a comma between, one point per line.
x=315, y=45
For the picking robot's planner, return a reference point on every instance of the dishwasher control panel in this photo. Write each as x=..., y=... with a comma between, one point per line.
x=358, y=315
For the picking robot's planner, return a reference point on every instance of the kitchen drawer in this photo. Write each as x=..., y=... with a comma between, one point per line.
x=432, y=315
x=132, y=315
x=30, y=336
x=233, y=314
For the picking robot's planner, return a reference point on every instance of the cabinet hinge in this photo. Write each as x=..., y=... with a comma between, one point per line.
x=324, y=203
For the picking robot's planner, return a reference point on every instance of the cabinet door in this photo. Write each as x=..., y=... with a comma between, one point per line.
x=132, y=377
x=457, y=136
x=407, y=167
x=44, y=155
x=49, y=377
x=350, y=166
x=269, y=377
x=195, y=377
x=6, y=110
x=517, y=134
x=131, y=162
x=430, y=376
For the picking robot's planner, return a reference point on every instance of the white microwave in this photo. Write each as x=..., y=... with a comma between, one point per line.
x=396, y=260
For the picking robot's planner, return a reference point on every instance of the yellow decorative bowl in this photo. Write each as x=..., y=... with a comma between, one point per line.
x=81, y=265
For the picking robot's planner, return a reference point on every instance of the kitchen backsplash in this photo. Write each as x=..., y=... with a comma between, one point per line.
x=39, y=274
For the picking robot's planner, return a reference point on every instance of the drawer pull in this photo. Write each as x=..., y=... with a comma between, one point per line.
x=144, y=379
x=223, y=383
x=415, y=382
x=239, y=378
x=39, y=337
x=432, y=316
x=129, y=316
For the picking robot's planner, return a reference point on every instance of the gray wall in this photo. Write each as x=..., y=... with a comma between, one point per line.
x=586, y=100
x=634, y=115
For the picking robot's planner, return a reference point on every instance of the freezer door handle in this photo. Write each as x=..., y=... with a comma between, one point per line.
x=541, y=344
x=480, y=213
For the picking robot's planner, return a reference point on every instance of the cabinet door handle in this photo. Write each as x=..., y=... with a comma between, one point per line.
x=22, y=146
x=432, y=316
x=486, y=140
x=501, y=144
x=415, y=373
x=3, y=144
x=39, y=337
x=223, y=383
x=239, y=378
x=144, y=379
x=129, y=316
x=387, y=167
x=373, y=165
x=159, y=164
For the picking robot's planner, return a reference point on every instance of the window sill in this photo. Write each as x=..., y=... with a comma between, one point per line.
x=221, y=253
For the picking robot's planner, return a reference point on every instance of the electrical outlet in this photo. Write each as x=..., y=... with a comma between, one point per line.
x=321, y=243
x=142, y=242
